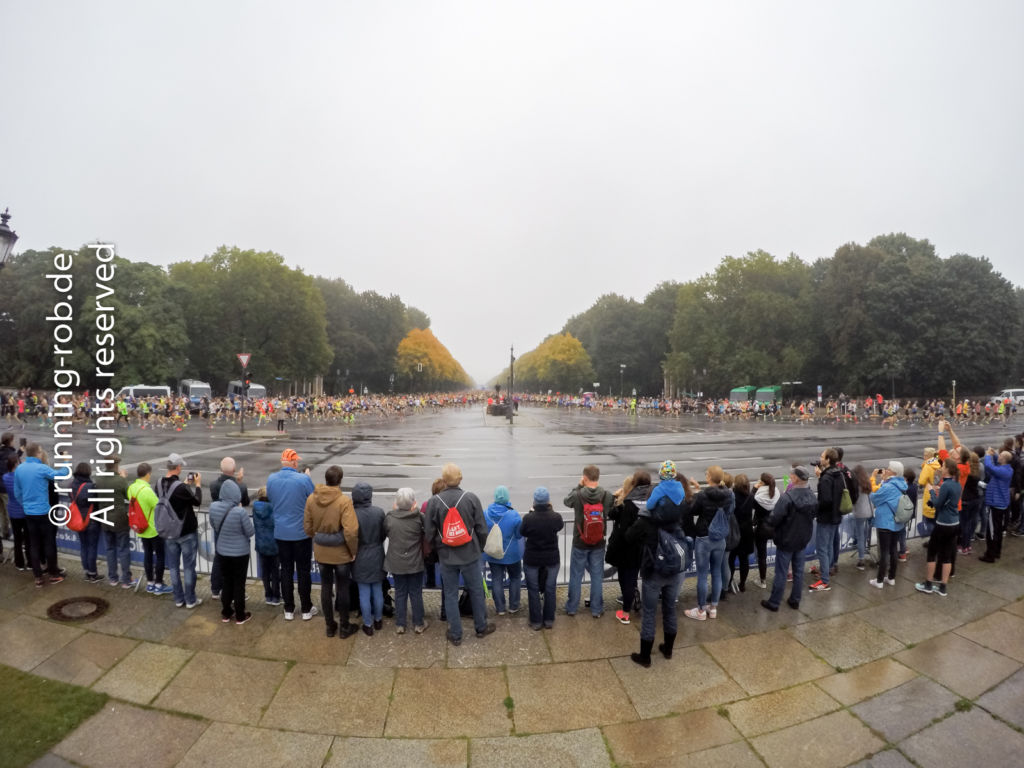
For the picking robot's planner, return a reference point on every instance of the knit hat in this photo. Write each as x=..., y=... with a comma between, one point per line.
x=541, y=496
x=501, y=495
x=896, y=467
x=667, y=471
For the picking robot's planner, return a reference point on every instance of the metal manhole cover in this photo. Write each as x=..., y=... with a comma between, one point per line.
x=78, y=609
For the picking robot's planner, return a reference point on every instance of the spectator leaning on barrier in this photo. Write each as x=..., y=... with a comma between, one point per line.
x=590, y=504
x=287, y=491
x=19, y=531
x=153, y=556
x=541, y=558
x=232, y=528
x=32, y=490
x=266, y=548
x=792, y=524
x=830, y=495
x=404, y=559
x=999, y=474
x=181, y=552
x=227, y=472
x=501, y=514
x=889, y=486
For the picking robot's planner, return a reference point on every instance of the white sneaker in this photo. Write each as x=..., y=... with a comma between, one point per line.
x=289, y=615
x=876, y=583
x=196, y=603
x=890, y=582
x=310, y=614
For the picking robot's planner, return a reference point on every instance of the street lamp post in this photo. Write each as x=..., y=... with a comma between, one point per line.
x=622, y=373
x=8, y=237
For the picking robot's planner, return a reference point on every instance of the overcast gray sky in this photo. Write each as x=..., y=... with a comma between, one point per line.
x=502, y=164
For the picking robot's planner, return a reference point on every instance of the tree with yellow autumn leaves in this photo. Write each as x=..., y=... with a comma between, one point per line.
x=424, y=364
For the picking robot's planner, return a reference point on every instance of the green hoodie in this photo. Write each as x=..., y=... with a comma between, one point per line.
x=575, y=499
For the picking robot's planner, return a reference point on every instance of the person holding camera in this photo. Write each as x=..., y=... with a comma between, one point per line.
x=180, y=552
x=890, y=486
x=830, y=495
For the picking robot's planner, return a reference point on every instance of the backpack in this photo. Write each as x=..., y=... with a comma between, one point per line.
x=136, y=517
x=846, y=502
x=77, y=518
x=904, y=511
x=669, y=557
x=733, y=539
x=166, y=520
x=453, y=530
x=592, y=530
x=495, y=545
x=719, y=528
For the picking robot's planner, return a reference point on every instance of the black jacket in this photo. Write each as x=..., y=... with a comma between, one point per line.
x=793, y=518
x=216, y=484
x=620, y=553
x=540, y=527
x=830, y=494
x=184, y=501
x=643, y=534
x=703, y=508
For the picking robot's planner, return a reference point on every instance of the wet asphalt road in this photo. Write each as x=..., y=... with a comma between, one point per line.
x=544, y=448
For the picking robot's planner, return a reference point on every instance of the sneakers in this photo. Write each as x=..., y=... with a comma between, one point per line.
x=860, y=565
x=902, y=558
x=512, y=611
x=622, y=616
x=761, y=583
x=112, y=582
x=924, y=586
x=129, y=584
x=56, y=579
x=940, y=590
x=876, y=583
x=400, y=629
x=421, y=628
x=239, y=622
x=890, y=582
x=225, y=619
x=40, y=582
x=273, y=601
x=378, y=624
x=150, y=586
x=456, y=641
x=197, y=603
x=819, y=586
x=696, y=613
x=307, y=615
x=162, y=589
x=734, y=588
x=92, y=578
x=367, y=630
x=712, y=612
x=486, y=630
x=347, y=631
x=215, y=595
x=769, y=606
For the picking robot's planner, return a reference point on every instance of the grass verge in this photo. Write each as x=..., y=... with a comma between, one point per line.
x=37, y=713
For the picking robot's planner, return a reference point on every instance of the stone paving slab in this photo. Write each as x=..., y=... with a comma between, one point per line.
x=160, y=622
x=582, y=638
x=230, y=689
x=690, y=680
x=966, y=603
x=735, y=755
x=863, y=682
x=427, y=703
x=959, y=664
x=904, y=710
x=910, y=619
x=26, y=642
x=841, y=599
x=890, y=758
x=398, y=753
x=344, y=701
x=386, y=649
x=858, y=583
x=745, y=659
x=749, y=619
x=1007, y=700
x=831, y=741
x=846, y=641
x=143, y=673
x=689, y=632
x=540, y=695
x=573, y=749
x=1016, y=608
x=281, y=640
x=666, y=740
x=223, y=745
x=781, y=709
x=1000, y=631
x=85, y=659
x=204, y=631
x=131, y=737
x=50, y=760
x=513, y=643
x=998, y=580
x=967, y=738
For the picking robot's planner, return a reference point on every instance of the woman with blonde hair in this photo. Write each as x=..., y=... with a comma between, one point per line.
x=708, y=549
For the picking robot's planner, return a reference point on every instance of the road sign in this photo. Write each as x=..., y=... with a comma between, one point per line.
x=244, y=358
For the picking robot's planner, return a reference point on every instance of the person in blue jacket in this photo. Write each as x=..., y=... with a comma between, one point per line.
x=997, y=498
x=266, y=548
x=890, y=486
x=501, y=514
x=32, y=491
x=287, y=491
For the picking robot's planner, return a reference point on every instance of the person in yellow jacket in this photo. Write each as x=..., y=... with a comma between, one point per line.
x=931, y=472
x=152, y=544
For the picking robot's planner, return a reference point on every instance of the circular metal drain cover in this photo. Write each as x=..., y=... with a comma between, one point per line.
x=78, y=609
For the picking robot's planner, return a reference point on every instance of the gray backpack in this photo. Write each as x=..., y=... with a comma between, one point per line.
x=168, y=524
x=904, y=511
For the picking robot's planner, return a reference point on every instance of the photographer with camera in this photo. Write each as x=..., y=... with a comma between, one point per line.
x=180, y=552
x=831, y=484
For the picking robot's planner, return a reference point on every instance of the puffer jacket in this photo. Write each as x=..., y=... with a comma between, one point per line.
x=369, y=563
x=231, y=523
x=263, y=520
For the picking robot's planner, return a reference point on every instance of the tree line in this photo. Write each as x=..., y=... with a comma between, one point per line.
x=190, y=321
x=887, y=316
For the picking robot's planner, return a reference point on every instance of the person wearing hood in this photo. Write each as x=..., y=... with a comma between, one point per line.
x=792, y=523
x=625, y=556
x=588, y=540
x=88, y=537
x=232, y=529
x=709, y=555
x=766, y=496
x=266, y=548
x=885, y=501
x=501, y=514
x=403, y=527
x=540, y=527
x=330, y=519
x=368, y=568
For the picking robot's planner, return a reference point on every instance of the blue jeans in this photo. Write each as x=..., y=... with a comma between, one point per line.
x=591, y=561
x=119, y=553
x=664, y=589
x=409, y=587
x=709, y=556
x=823, y=539
x=89, y=540
x=473, y=578
x=783, y=560
x=180, y=555
x=862, y=532
x=515, y=585
x=371, y=602
x=541, y=580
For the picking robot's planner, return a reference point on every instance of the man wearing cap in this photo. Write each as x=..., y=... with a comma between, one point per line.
x=180, y=553
x=287, y=491
x=792, y=521
x=586, y=556
x=889, y=485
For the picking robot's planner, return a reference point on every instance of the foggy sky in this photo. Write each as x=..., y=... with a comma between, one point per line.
x=500, y=165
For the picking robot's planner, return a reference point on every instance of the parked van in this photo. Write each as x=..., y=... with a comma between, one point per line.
x=1015, y=395
x=144, y=390
x=257, y=391
x=768, y=394
x=195, y=391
